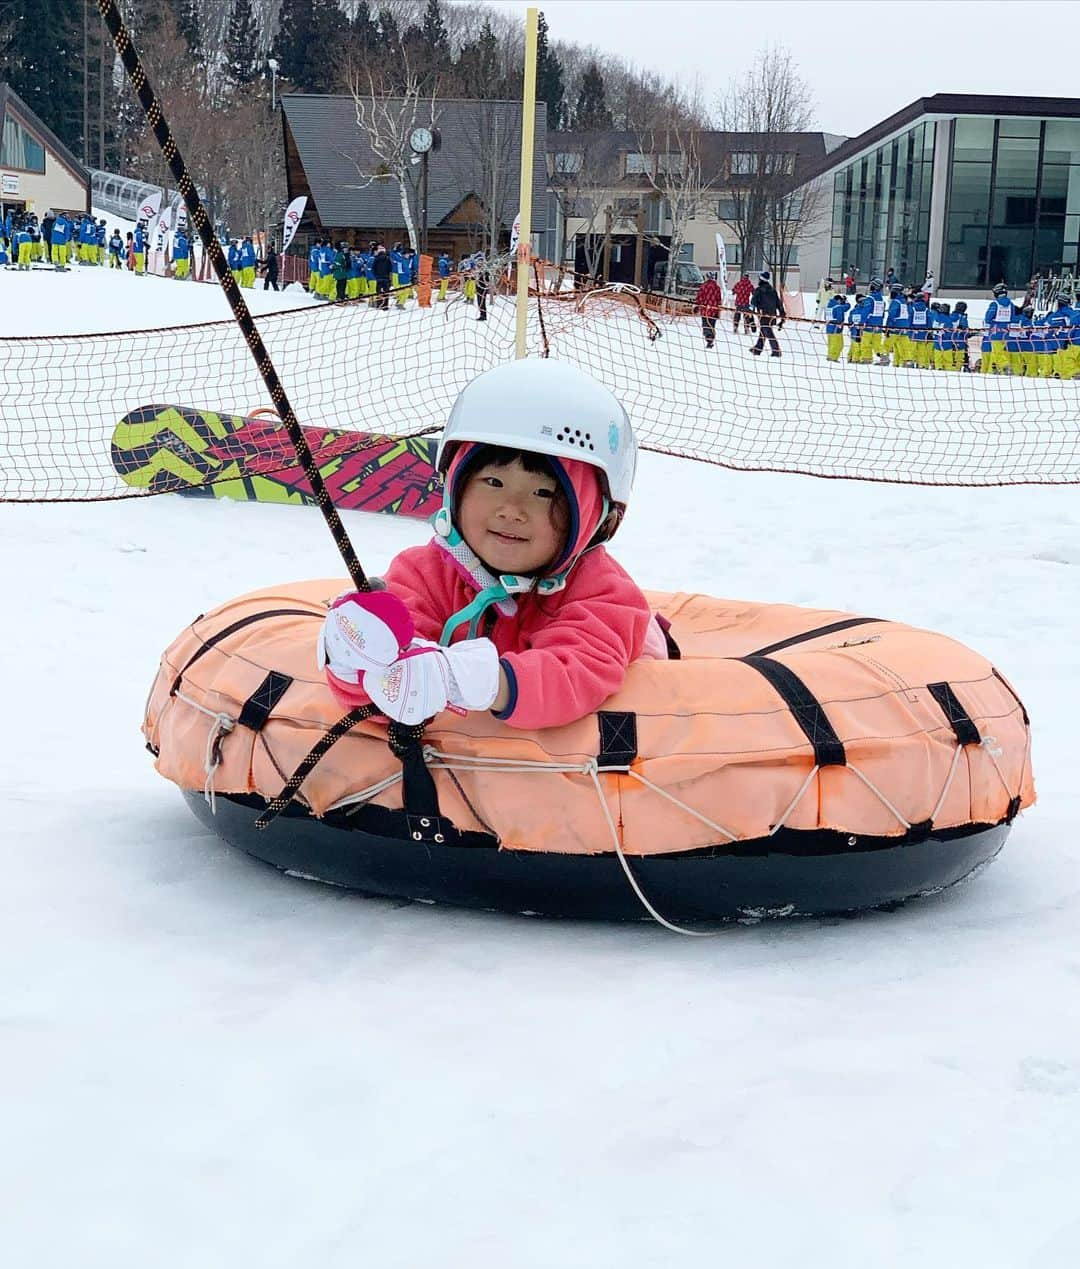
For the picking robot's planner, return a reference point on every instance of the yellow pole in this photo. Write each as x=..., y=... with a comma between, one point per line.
x=528, y=122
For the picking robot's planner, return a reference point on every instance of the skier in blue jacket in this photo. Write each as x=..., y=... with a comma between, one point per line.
x=857, y=354
x=921, y=323
x=1061, y=320
x=60, y=241
x=313, y=254
x=898, y=324
x=181, y=254
x=1000, y=313
x=445, y=268
x=247, y=263
x=873, y=323
x=940, y=336
x=140, y=247
x=835, y=319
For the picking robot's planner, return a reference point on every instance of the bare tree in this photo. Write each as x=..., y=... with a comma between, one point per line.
x=254, y=181
x=677, y=165
x=580, y=175
x=793, y=217
x=386, y=123
x=765, y=107
x=488, y=165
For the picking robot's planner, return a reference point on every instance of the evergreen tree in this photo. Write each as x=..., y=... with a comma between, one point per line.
x=363, y=29
x=39, y=67
x=242, y=44
x=308, y=39
x=389, y=33
x=435, y=36
x=478, y=66
x=293, y=46
x=591, y=113
x=549, y=78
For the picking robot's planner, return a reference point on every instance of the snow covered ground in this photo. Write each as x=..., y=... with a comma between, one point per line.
x=207, y=1063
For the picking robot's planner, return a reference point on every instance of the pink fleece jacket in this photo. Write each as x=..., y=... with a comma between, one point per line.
x=563, y=654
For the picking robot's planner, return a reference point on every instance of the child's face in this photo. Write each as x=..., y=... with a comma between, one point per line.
x=514, y=520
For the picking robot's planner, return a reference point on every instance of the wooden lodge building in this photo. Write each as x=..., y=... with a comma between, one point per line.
x=37, y=170
x=472, y=176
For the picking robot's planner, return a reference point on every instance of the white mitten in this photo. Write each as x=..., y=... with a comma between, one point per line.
x=427, y=679
x=363, y=632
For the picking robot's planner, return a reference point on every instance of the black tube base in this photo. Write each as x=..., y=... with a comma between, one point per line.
x=791, y=874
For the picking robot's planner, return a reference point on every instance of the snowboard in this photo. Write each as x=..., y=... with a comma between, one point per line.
x=176, y=449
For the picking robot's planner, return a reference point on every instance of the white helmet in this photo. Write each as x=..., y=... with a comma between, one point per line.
x=546, y=407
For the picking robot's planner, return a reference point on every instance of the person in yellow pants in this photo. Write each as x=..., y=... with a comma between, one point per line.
x=856, y=354
x=921, y=325
x=25, y=247
x=248, y=263
x=1043, y=346
x=1059, y=322
x=1070, y=353
x=1019, y=351
x=445, y=269
x=836, y=311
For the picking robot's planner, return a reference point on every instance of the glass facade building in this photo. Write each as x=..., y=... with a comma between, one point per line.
x=881, y=208
x=1013, y=207
x=963, y=188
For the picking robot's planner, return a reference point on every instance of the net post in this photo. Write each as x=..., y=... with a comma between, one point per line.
x=528, y=129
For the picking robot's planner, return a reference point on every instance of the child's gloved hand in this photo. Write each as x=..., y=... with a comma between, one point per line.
x=363, y=632
x=427, y=679
x=368, y=650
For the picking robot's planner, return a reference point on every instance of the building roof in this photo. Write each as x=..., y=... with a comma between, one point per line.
x=10, y=100
x=945, y=105
x=477, y=137
x=606, y=148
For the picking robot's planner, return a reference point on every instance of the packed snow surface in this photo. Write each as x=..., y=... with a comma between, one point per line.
x=207, y=1063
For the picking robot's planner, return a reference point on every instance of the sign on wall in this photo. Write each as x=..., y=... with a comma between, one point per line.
x=9, y=184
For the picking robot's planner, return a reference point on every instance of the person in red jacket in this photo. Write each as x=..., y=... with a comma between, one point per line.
x=708, y=301
x=515, y=606
x=743, y=290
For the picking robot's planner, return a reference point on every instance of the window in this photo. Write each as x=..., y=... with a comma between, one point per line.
x=638, y=165
x=775, y=164
x=669, y=163
x=569, y=162
x=657, y=212
x=881, y=206
x=792, y=254
x=744, y=162
x=733, y=251
x=19, y=149
x=686, y=251
x=728, y=208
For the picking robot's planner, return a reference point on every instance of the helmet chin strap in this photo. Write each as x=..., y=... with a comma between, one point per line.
x=491, y=589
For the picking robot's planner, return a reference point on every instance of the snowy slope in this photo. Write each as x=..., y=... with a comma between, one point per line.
x=206, y=1063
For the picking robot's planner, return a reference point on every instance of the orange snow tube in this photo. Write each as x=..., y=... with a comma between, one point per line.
x=792, y=760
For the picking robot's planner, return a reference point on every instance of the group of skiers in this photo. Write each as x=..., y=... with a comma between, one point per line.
x=62, y=240
x=57, y=239
x=760, y=308
x=904, y=326
x=348, y=272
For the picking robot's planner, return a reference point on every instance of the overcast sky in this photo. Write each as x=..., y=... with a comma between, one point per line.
x=864, y=59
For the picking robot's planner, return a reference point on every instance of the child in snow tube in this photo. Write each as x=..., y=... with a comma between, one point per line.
x=515, y=605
